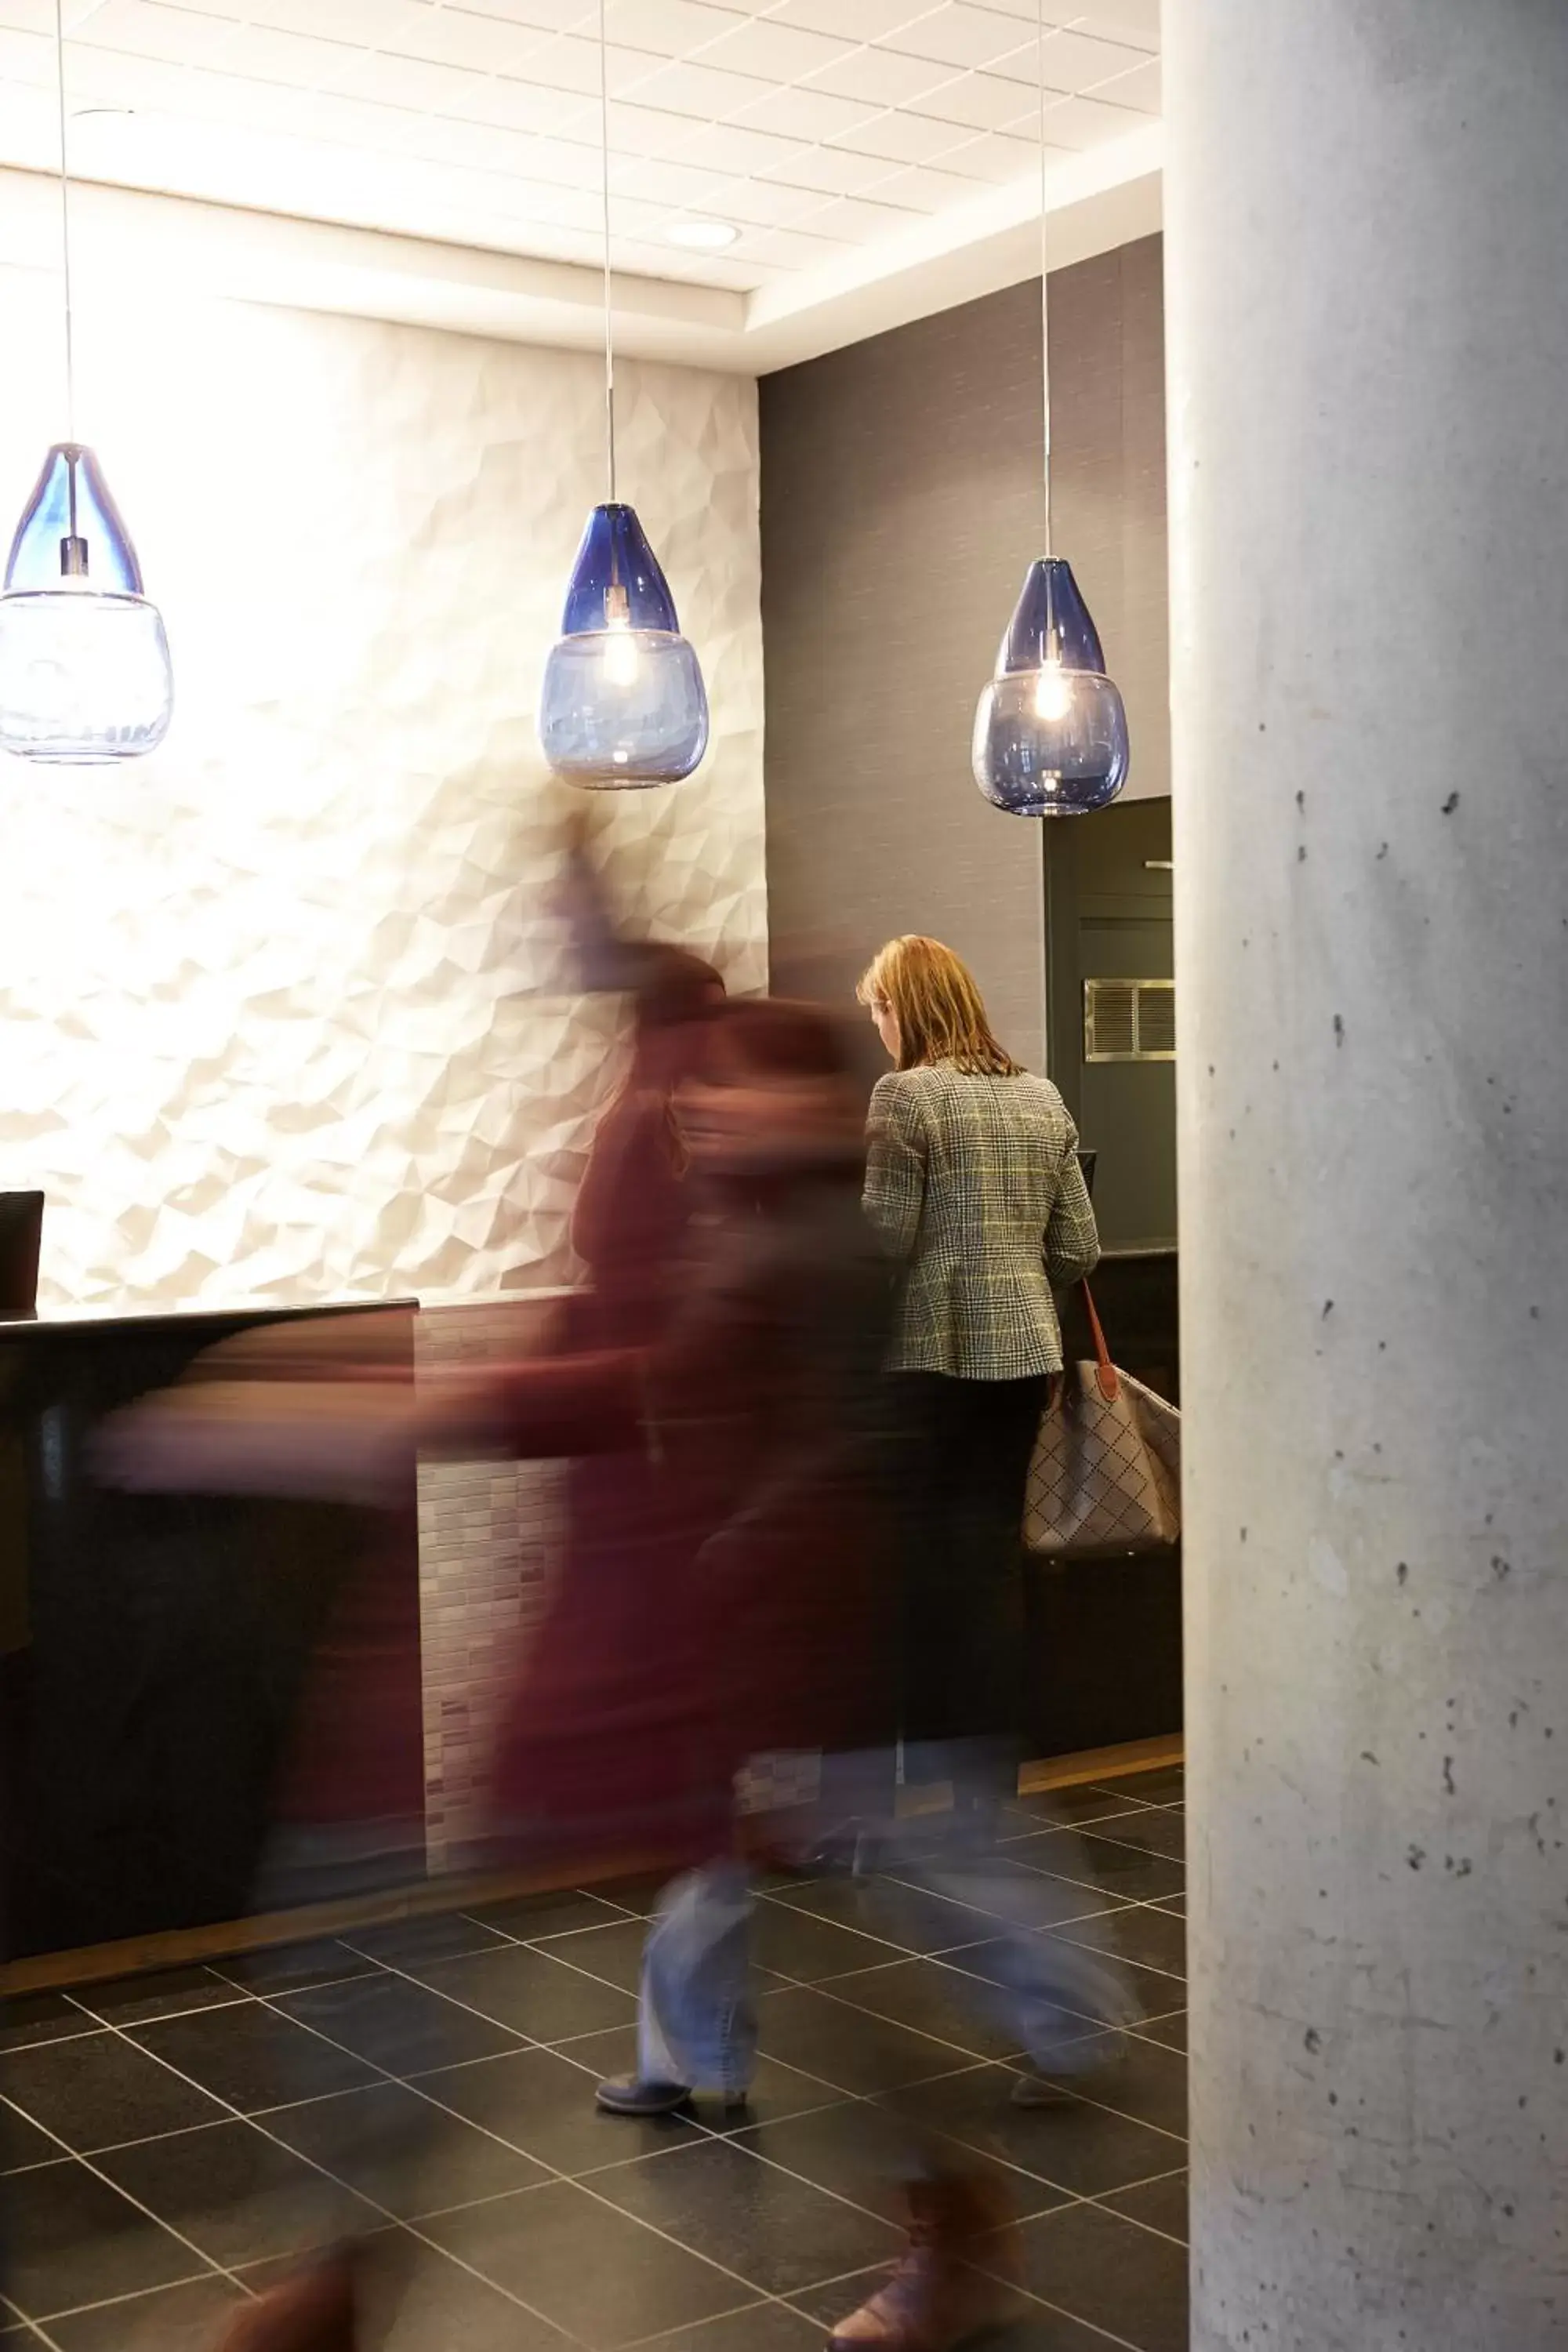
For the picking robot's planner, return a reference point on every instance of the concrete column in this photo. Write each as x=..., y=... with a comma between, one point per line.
x=1367, y=260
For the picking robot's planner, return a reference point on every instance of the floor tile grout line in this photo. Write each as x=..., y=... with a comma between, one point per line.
x=760, y=2301
x=208, y=2265
x=347, y=2187
x=1092, y=1886
x=236, y=1999
x=54, y=2041
x=146, y=2294
x=1111, y=1906
x=1064, y=2195
x=255, y=2121
x=938, y=2040
x=557, y=2177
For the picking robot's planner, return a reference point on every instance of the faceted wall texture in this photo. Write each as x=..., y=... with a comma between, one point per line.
x=276, y=1019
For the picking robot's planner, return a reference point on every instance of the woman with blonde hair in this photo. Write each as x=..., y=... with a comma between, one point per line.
x=975, y=1186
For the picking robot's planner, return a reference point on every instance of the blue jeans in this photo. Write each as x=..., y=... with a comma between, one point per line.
x=697, y=2020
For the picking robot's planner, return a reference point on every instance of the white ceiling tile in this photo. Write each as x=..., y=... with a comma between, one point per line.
x=924, y=189
x=265, y=54
x=1141, y=88
x=855, y=218
x=140, y=28
x=352, y=122
x=678, y=186
x=760, y=44
x=1134, y=21
x=833, y=171
x=801, y=113
x=566, y=163
x=1077, y=61
x=769, y=202
x=851, y=20
x=486, y=146
x=668, y=28
x=728, y=147
x=786, y=249
x=647, y=131
x=698, y=90
x=997, y=156
x=959, y=34
x=1084, y=122
x=567, y=63
x=27, y=41
x=456, y=36
x=880, y=76
x=368, y=23
x=977, y=102
x=1058, y=14
x=905, y=138
x=541, y=16
x=411, y=82
x=529, y=106
x=1021, y=67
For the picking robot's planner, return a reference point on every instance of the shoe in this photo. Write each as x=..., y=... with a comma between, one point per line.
x=312, y=2313
x=632, y=2097
x=936, y=2297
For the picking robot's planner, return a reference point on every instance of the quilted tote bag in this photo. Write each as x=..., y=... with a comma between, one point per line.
x=1106, y=1475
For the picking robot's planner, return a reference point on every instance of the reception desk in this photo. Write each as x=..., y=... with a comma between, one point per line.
x=153, y=1650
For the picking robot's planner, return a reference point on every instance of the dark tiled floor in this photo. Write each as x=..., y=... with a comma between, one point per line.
x=173, y=2143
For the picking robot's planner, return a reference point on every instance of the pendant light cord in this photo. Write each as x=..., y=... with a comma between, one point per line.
x=66, y=228
x=609, y=301
x=1045, y=271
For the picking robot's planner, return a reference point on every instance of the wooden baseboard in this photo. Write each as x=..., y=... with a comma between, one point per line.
x=1096, y=1764
x=184, y=1947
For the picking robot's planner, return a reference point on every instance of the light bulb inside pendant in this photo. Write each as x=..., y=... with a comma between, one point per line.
x=1053, y=692
x=620, y=644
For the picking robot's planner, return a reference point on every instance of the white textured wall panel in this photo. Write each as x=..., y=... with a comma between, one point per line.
x=272, y=1019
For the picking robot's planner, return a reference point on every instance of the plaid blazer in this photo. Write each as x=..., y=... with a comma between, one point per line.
x=974, y=1186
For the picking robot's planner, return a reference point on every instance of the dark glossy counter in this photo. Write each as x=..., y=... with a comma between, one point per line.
x=153, y=1650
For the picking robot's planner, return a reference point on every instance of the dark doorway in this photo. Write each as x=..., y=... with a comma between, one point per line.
x=1111, y=1010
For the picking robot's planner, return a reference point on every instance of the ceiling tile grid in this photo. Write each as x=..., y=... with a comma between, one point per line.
x=814, y=127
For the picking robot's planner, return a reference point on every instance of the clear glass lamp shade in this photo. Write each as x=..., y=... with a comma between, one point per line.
x=1034, y=757
x=85, y=676
x=623, y=707
x=623, y=703
x=85, y=673
x=1051, y=732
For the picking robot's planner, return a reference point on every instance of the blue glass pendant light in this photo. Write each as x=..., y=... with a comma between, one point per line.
x=623, y=703
x=84, y=662
x=1051, y=732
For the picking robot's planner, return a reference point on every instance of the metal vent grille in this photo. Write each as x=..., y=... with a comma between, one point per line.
x=1129, y=1021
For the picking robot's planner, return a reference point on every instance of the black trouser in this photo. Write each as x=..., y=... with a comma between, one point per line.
x=966, y=1452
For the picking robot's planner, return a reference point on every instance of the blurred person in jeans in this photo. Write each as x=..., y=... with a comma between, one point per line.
x=831, y=1434
x=323, y=1408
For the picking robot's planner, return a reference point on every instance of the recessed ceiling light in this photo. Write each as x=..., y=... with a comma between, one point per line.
x=702, y=235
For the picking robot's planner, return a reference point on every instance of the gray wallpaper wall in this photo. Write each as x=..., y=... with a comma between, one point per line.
x=901, y=504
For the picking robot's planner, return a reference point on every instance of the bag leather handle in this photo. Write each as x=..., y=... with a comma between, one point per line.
x=1106, y=1379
